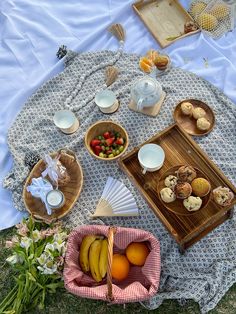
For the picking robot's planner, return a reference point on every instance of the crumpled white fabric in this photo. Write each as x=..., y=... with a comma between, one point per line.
x=32, y=31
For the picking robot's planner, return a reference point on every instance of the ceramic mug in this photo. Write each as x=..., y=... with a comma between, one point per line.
x=66, y=121
x=151, y=157
x=106, y=101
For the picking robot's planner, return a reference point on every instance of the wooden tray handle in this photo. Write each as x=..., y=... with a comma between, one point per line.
x=110, y=238
x=68, y=152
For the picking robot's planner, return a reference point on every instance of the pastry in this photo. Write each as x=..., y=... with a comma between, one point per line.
x=183, y=190
x=167, y=195
x=223, y=196
x=187, y=108
x=186, y=173
x=152, y=54
x=190, y=26
x=201, y=187
x=198, y=113
x=197, y=8
x=220, y=11
x=207, y=21
x=171, y=182
x=192, y=203
x=203, y=124
x=161, y=62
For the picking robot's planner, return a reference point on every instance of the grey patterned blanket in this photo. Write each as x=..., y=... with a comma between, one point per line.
x=207, y=269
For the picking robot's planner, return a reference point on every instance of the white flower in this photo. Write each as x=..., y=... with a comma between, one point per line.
x=60, y=237
x=49, y=248
x=14, y=259
x=48, y=270
x=42, y=259
x=25, y=242
x=59, y=246
x=36, y=235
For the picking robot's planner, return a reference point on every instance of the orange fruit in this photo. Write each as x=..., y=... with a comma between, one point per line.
x=145, y=64
x=152, y=54
x=137, y=253
x=120, y=267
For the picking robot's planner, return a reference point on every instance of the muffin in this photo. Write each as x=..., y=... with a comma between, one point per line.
x=223, y=196
x=183, y=190
x=197, y=8
x=192, y=203
x=187, y=108
x=207, y=21
x=201, y=187
x=203, y=124
x=186, y=173
x=167, y=195
x=198, y=113
x=170, y=182
x=220, y=11
x=161, y=62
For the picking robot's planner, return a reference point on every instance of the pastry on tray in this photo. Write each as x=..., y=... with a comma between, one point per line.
x=223, y=196
x=203, y=124
x=192, y=203
x=167, y=195
x=183, y=190
x=186, y=173
x=198, y=113
x=171, y=181
x=187, y=108
x=201, y=187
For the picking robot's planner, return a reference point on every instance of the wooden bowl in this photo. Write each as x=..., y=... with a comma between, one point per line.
x=177, y=206
x=71, y=190
x=101, y=127
x=189, y=124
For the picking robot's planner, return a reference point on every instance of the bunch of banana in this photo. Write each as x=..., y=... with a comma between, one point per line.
x=93, y=256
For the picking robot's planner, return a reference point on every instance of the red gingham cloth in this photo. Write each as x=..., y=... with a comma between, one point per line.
x=142, y=282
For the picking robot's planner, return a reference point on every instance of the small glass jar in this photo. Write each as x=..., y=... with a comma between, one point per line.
x=55, y=199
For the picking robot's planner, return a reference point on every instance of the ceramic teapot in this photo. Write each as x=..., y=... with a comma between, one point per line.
x=146, y=92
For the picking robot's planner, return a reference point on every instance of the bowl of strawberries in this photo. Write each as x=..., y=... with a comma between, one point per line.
x=106, y=140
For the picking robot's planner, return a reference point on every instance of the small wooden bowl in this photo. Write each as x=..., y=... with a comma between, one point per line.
x=177, y=206
x=101, y=127
x=71, y=190
x=189, y=124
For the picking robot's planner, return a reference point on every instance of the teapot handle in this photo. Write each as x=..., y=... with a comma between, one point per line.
x=140, y=104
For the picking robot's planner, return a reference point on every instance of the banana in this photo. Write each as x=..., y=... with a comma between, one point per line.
x=84, y=251
x=103, y=258
x=94, y=254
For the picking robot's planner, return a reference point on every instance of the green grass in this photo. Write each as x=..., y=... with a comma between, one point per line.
x=66, y=303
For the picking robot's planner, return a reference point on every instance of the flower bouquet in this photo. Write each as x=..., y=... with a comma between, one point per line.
x=38, y=258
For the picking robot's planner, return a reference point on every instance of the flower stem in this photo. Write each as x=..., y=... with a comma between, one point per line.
x=8, y=299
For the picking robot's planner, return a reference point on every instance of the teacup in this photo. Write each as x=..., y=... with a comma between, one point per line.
x=151, y=157
x=66, y=121
x=106, y=101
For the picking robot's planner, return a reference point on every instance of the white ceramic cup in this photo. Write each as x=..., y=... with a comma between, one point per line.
x=66, y=121
x=151, y=157
x=106, y=101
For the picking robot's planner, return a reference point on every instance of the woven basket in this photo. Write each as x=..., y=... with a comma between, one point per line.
x=141, y=283
x=71, y=190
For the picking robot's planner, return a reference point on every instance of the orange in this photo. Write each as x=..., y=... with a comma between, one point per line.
x=145, y=64
x=120, y=267
x=137, y=253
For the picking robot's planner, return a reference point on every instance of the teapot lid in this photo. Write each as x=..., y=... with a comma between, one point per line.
x=147, y=86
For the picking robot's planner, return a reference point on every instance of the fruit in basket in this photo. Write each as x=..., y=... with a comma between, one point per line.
x=84, y=251
x=220, y=11
x=94, y=256
x=108, y=145
x=137, y=253
x=103, y=259
x=120, y=267
x=197, y=8
x=145, y=64
x=207, y=21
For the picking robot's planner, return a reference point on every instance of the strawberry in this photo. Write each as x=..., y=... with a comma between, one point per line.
x=97, y=149
x=119, y=141
x=106, y=135
x=109, y=141
x=95, y=142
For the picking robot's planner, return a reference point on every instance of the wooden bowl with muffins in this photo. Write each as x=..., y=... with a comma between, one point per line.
x=184, y=190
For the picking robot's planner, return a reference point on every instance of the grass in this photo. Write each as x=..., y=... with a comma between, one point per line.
x=66, y=303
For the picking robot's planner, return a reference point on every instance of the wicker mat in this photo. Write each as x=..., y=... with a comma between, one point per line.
x=207, y=269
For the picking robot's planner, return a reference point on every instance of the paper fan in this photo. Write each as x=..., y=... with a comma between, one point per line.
x=116, y=200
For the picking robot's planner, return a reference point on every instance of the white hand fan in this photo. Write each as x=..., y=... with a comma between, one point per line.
x=116, y=200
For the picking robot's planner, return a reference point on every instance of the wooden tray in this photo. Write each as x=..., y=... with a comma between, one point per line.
x=189, y=124
x=165, y=19
x=177, y=206
x=71, y=190
x=179, y=149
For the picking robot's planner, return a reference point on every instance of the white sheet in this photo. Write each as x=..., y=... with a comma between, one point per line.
x=31, y=32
